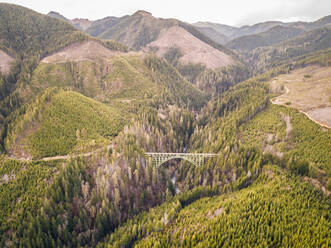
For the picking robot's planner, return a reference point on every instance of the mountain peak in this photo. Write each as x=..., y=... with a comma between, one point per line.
x=53, y=13
x=143, y=13
x=57, y=15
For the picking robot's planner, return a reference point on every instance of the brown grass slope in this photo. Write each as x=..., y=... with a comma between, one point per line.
x=194, y=50
x=308, y=90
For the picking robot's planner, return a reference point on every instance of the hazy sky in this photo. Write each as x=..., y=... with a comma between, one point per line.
x=231, y=12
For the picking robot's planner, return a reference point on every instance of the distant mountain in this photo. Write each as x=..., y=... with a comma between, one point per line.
x=135, y=30
x=235, y=32
x=319, y=23
x=214, y=35
x=272, y=36
x=277, y=34
x=99, y=26
x=226, y=30
x=79, y=23
x=58, y=16
x=142, y=31
x=263, y=58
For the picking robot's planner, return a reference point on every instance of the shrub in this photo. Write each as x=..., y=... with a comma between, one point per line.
x=299, y=167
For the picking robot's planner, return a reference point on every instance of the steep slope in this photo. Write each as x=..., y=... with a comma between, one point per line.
x=81, y=123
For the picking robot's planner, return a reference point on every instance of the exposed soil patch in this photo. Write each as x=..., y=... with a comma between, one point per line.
x=194, y=50
x=322, y=115
x=308, y=90
x=81, y=51
x=6, y=62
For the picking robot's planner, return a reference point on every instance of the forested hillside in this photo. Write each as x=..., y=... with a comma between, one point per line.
x=78, y=115
x=29, y=36
x=233, y=219
x=131, y=83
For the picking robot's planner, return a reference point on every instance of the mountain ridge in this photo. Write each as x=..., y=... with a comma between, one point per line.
x=141, y=29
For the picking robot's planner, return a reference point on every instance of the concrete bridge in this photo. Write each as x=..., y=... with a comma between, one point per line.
x=197, y=159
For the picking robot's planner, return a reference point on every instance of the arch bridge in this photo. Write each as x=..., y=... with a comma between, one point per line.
x=198, y=159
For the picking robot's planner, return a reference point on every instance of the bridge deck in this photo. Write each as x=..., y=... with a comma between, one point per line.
x=176, y=153
x=197, y=159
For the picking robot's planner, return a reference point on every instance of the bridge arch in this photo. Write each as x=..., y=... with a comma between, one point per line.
x=197, y=159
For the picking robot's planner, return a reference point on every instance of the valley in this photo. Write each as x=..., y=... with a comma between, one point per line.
x=83, y=104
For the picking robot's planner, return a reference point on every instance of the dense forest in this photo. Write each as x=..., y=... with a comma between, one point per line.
x=74, y=136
